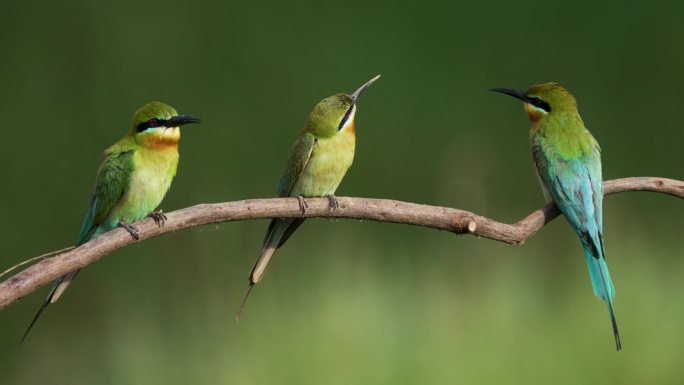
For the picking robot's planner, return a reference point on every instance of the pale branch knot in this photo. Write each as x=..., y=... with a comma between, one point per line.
x=472, y=226
x=463, y=223
x=56, y=264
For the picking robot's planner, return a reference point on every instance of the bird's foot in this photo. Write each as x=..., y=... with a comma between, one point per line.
x=159, y=218
x=302, y=204
x=131, y=230
x=333, y=204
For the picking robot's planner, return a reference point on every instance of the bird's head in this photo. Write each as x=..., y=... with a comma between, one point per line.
x=335, y=114
x=158, y=125
x=543, y=100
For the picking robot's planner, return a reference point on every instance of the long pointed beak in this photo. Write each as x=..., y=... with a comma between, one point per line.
x=355, y=95
x=518, y=94
x=180, y=120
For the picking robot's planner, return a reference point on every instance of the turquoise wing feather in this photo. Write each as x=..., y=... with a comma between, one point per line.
x=576, y=185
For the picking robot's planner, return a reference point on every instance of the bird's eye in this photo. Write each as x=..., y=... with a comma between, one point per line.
x=153, y=122
x=345, y=117
x=535, y=101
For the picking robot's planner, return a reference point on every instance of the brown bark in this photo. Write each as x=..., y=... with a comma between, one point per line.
x=381, y=210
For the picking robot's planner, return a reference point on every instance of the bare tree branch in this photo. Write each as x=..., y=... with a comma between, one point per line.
x=381, y=210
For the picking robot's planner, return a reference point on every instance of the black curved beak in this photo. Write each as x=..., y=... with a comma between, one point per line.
x=355, y=95
x=518, y=94
x=180, y=120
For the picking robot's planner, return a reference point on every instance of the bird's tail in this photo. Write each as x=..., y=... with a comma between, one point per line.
x=603, y=287
x=278, y=232
x=62, y=285
x=267, y=251
x=57, y=291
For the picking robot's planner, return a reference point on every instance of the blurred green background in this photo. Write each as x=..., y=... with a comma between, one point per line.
x=345, y=302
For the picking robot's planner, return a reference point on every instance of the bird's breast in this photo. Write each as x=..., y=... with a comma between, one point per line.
x=153, y=171
x=329, y=162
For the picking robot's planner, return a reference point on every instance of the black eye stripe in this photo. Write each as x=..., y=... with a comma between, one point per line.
x=154, y=122
x=535, y=101
x=345, y=117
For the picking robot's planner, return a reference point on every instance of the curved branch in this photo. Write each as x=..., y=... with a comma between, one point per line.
x=381, y=210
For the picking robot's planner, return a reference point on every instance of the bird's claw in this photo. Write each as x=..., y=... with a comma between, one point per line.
x=302, y=204
x=159, y=218
x=333, y=204
x=131, y=230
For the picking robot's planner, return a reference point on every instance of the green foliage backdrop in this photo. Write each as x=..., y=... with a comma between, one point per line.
x=345, y=301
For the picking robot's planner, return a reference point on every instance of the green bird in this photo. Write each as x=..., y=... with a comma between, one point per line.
x=316, y=164
x=568, y=161
x=134, y=176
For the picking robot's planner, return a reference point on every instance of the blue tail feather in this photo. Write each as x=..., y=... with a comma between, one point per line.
x=616, y=333
x=600, y=277
x=603, y=287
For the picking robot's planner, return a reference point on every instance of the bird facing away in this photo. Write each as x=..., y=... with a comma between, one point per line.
x=568, y=161
x=134, y=176
x=316, y=164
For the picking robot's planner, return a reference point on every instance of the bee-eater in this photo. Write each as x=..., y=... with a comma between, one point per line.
x=134, y=176
x=568, y=161
x=316, y=164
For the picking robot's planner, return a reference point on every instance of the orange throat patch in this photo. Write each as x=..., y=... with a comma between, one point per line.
x=534, y=113
x=163, y=138
x=350, y=124
x=351, y=127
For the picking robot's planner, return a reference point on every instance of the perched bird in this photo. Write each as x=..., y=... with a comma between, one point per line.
x=134, y=176
x=316, y=164
x=568, y=161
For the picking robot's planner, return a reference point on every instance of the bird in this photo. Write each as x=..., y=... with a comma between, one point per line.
x=568, y=164
x=316, y=164
x=134, y=175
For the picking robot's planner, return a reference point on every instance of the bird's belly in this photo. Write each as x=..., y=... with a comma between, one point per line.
x=148, y=186
x=324, y=172
x=145, y=195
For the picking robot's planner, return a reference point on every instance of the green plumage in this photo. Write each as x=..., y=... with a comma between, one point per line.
x=112, y=179
x=133, y=178
x=316, y=164
x=568, y=161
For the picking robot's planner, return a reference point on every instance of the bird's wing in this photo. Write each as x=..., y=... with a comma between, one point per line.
x=110, y=184
x=111, y=181
x=280, y=229
x=576, y=186
x=297, y=159
x=299, y=156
